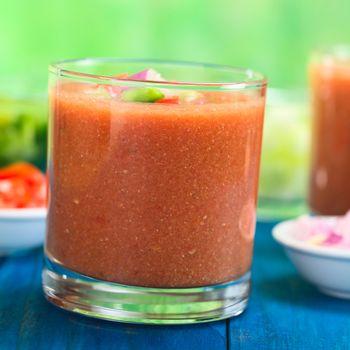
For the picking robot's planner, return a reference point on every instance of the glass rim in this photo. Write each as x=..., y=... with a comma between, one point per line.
x=255, y=79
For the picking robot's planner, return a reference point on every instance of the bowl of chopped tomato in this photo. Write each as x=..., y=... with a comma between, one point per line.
x=23, y=193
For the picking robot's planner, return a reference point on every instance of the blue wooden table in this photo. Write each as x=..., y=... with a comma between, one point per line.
x=284, y=313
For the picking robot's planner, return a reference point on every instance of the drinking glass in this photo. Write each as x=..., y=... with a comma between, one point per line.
x=152, y=189
x=330, y=161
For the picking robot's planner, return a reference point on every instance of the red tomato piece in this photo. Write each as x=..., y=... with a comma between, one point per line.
x=24, y=170
x=14, y=193
x=170, y=99
x=22, y=185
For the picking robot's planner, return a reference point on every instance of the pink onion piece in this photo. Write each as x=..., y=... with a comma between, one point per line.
x=332, y=239
x=308, y=227
x=325, y=233
x=147, y=74
x=343, y=227
x=114, y=91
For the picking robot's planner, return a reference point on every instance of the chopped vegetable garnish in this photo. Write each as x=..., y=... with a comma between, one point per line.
x=131, y=94
x=142, y=95
x=169, y=99
x=321, y=232
x=190, y=96
x=148, y=74
x=122, y=76
x=22, y=185
x=114, y=91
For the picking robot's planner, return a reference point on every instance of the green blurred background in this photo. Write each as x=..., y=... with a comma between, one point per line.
x=271, y=36
x=274, y=37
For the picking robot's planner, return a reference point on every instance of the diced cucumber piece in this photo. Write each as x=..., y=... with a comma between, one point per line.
x=141, y=95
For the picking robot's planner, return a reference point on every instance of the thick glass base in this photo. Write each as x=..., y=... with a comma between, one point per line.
x=116, y=302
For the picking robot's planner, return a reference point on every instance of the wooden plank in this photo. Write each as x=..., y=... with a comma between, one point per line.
x=284, y=311
x=27, y=321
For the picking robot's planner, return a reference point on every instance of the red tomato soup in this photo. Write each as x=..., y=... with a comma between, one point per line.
x=330, y=170
x=154, y=195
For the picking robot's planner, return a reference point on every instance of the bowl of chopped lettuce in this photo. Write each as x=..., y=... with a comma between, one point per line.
x=285, y=155
x=23, y=122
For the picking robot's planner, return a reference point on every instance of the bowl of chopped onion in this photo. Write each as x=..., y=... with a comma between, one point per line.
x=319, y=247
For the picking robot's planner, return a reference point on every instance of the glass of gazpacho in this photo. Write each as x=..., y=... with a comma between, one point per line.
x=330, y=161
x=153, y=170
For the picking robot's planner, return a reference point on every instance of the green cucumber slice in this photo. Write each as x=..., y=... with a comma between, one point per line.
x=141, y=95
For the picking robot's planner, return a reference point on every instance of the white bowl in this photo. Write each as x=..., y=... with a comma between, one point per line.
x=21, y=229
x=326, y=267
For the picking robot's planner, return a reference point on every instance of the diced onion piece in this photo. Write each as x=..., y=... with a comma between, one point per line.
x=147, y=74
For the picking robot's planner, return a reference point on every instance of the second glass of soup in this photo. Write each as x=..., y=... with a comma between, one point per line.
x=330, y=161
